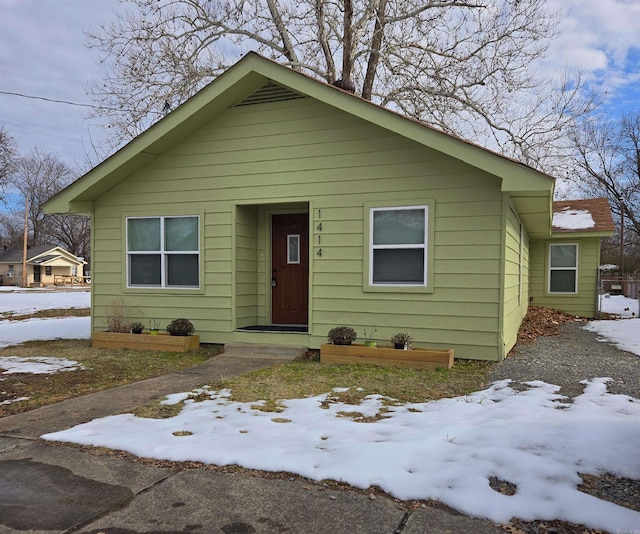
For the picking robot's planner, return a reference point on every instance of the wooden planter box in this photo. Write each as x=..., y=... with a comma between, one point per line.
x=417, y=358
x=160, y=342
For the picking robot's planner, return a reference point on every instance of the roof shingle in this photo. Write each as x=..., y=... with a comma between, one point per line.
x=597, y=208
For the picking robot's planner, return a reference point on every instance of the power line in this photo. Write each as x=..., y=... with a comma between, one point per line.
x=49, y=99
x=56, y=101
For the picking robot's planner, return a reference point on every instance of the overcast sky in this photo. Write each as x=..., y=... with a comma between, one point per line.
x=43, y=53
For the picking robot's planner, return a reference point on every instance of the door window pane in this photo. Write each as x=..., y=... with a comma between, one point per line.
x=293, y=248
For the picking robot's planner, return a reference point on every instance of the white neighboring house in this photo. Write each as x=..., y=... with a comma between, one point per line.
x=47, y=265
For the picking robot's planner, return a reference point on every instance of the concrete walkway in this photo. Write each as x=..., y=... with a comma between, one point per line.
x=52, y=488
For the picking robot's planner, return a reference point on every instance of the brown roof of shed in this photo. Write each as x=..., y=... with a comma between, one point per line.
x=598, y=208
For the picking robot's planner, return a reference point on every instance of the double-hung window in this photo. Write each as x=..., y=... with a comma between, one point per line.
x=563, y=268
x=398, y=246
x=163, y=252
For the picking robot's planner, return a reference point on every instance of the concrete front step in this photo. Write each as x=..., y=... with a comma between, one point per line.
x=257, y=350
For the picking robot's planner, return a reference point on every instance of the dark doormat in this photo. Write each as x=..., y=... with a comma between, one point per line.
x=301, y=328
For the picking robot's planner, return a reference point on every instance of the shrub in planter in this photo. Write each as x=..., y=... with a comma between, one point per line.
x=136, y=327
x=401, y=340
x=115, y=318
x=342, y=335
x=180, y=327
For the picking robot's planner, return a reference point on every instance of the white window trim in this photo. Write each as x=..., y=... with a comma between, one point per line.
x=424, y=246
x=163, y=253
x=575, y=269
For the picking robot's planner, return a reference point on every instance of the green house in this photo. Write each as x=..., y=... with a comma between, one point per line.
x=271, y=207
x=564, y=267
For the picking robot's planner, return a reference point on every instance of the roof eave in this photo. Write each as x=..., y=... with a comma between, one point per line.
x=229, y=88
x=245, y=77
x=562, y=234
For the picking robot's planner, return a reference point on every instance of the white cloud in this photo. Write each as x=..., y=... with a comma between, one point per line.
x=601, y=38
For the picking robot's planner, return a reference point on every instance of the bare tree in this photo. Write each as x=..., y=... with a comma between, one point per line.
x=464, y=66
x=37, y=178
x=8, y=155
x=11, y=229
x=72, y=232
x=608, y=158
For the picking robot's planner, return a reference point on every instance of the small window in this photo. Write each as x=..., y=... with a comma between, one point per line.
x=10, y=270
x=398, y=246
x=47, y=270
x=163, y=252
x=293, y=248
x=563, y=268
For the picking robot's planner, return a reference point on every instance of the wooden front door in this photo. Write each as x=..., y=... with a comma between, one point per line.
x=290, y=268
x=37, y=274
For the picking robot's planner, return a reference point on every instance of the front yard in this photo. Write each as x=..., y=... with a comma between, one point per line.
x=102, y=369
x=99, y=369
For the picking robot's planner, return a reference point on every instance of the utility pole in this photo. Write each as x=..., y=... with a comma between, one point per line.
x=24, y=242
x=621, y=239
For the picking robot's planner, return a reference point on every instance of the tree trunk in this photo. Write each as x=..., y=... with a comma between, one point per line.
x=374, y=56
x=347, y=44
x=288, y=49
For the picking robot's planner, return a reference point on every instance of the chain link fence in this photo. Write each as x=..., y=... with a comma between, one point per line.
x=618, y=297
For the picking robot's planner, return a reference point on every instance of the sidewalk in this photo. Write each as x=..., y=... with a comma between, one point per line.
x=52, y=488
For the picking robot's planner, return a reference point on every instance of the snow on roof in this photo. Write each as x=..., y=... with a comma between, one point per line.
x=587, y=215
x=573, y=219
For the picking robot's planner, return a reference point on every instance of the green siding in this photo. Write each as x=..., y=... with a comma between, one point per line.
x=583, y=303
x=516, y=276
x=302, y=155
x=246, y=265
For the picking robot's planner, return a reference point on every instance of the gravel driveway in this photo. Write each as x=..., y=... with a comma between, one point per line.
x=570, y=357
x=565, y=360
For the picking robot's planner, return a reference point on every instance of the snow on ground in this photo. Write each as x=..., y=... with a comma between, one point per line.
x=623, y=333
x=21, y=302
x=445, y=450
x=619, y=305
x=11, y=401
x=37, y=365
x=16, y=332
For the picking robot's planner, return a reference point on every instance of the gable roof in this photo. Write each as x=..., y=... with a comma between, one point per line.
x=590, y=216
x=255, y=79
x=38, y=255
